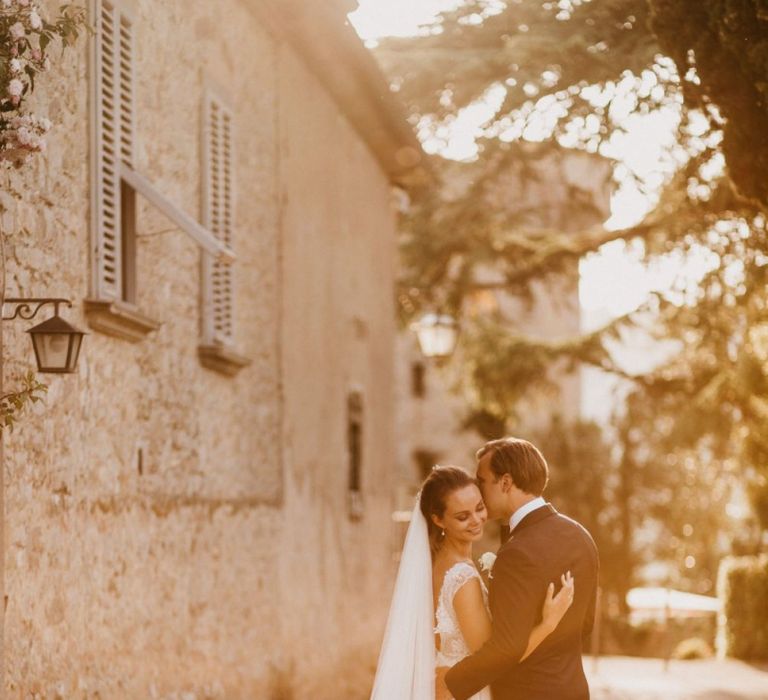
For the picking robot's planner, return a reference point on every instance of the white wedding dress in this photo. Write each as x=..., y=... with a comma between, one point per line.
x=453, y=648
x=407, y=661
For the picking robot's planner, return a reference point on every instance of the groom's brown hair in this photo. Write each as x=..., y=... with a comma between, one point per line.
x=521, y=460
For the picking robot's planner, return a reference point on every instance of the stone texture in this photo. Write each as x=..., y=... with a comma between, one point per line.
x=172, y=532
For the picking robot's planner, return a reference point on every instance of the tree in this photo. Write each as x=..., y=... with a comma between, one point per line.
x=570, y=73
x=584, y=485
x=723, y=47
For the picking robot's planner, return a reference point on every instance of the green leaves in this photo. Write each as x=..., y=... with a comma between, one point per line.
x=523, y=46
x=12, y=404
x=724, y=47
x=469, y=250
x=743, y=588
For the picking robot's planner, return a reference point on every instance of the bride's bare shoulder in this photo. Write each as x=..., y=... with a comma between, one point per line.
x=442, y=566
x=444, y=562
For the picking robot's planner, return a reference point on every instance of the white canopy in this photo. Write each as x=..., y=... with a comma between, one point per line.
x=662, y=602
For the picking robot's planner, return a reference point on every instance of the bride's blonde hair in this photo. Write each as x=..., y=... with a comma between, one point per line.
x=441, y=483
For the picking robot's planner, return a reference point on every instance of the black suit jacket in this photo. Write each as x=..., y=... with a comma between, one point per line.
x=543, y=546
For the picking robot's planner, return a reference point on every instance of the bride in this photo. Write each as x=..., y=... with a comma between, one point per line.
x=439, y=611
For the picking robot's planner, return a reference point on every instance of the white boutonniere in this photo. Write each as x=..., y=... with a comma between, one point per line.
x=486, y=562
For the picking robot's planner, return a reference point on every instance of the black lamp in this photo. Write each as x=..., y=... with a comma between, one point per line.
x=57, y=345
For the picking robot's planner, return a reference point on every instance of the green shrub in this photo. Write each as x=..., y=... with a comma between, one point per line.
x=693, y=648
x=743, y=622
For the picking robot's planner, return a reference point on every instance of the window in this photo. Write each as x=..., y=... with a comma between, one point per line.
x=111, y=306
x=424, y=461
x=113, y=143
x=355, y=453
x=418, y=380
x=128, y=242
x=116, y=184
x=218, y=217
x=216, y=350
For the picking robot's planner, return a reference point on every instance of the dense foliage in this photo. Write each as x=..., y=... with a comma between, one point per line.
x=743, y=588
x=724, y=44
x=571, y=74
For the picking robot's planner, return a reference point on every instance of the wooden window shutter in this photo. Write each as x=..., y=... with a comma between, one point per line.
x=218, y=217
x=113, y=141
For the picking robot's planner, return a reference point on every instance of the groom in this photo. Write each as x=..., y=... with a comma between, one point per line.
x=542, y=546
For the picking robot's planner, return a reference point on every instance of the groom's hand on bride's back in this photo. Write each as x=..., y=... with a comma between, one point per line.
x=441, y=689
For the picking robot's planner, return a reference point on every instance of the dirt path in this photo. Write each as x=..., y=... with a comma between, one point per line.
x=625, y=678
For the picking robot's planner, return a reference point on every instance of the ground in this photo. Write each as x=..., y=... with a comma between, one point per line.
x=625, y=678
x=629, y=678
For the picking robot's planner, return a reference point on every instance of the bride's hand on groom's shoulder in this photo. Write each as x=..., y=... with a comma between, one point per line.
x=441, y=689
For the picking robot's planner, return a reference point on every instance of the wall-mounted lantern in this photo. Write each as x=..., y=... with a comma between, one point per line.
x=437, y=335
x=56, y=343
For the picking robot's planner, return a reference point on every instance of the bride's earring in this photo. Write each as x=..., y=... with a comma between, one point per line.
x=442, y=533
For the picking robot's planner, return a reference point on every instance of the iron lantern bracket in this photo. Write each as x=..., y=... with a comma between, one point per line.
x=27, y=309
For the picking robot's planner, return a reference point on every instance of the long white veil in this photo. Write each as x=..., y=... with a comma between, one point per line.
x=406, y=669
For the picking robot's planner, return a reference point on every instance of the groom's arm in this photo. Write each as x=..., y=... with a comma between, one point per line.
x=589, y=618
x=516, y=603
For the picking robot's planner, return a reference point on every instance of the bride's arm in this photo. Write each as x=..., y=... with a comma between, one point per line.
x=555, y=606
x=475, y=623
x=472, y=615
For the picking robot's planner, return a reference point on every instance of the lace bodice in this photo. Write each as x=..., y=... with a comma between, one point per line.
x=453, y=648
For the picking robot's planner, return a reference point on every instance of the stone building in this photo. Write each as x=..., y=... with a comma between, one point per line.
x=198, y=512
x=566, y=191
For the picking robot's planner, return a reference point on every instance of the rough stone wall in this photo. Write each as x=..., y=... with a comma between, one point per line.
x=227, y=565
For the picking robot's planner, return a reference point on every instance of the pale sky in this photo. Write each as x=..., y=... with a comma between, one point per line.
x=377, y=18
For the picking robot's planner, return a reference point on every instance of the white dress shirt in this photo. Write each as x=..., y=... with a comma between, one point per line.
x=522, y=511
